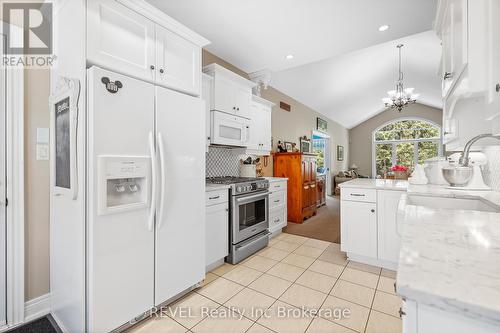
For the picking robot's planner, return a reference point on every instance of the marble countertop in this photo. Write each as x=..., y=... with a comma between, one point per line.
x=378, y=184
x=450, y=259
x=275, y=179
x=215, y=187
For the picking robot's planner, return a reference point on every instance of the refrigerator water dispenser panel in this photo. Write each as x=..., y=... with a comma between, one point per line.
x=124, y=183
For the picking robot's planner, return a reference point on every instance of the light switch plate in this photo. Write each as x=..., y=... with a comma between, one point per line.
x=42, y=152
x=42, y=135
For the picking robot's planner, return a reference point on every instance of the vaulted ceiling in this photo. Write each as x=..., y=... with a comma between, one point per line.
x=342, y=64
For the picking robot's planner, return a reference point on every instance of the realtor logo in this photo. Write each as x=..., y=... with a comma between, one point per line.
x=28, y=28
x=36, y=22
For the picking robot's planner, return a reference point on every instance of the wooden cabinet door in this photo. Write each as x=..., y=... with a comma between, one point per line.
x=359, y=228
x=312, y=170
x=306, y=174
x=178, y=62
x=313, y=195
x=306, y=189
x=120, y=39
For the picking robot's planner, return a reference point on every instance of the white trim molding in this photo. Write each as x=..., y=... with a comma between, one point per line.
x=37, y=307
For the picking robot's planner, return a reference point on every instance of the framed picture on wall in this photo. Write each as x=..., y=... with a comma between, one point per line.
x=289, y=146
x=305, y=145
x=340, y=153
x=321, y=125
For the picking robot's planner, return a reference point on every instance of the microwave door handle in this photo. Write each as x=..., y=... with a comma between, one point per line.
x=151, y=217
x=161, y=150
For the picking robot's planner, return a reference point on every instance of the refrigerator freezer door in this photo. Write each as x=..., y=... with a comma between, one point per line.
x=120, y=274
x=180, y=240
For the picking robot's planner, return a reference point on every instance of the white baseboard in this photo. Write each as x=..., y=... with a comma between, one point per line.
x=37, y=307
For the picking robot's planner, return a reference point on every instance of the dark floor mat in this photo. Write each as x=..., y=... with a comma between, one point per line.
x=42, y=325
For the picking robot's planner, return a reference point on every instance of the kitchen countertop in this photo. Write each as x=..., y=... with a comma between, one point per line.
x=450, y=259
x=275, y=179
x=215, y=187
x=378, y=184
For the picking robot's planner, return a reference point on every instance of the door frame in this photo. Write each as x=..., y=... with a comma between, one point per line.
x=328, y=158
x=15, y=192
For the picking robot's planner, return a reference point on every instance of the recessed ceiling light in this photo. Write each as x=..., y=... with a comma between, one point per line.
x=383, y=27
x=289, y=57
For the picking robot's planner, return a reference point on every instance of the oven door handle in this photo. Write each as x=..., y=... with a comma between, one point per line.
x=252, y=197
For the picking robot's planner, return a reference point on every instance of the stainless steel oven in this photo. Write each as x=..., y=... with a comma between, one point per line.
x=249, y=214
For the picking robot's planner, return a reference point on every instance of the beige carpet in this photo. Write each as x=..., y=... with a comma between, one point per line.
x=324, y=226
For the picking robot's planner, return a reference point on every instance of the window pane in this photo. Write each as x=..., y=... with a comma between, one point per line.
x=383, y=158
x=427, y=150
x=319, y=146
x=404, y=154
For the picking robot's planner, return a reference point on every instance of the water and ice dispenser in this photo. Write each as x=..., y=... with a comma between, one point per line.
x=124, y=183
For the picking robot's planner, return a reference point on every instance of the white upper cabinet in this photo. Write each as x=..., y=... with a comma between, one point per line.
x=120, y=39
x=136, y=39
x=259, y=141
x=178, y=61
x=231, y=93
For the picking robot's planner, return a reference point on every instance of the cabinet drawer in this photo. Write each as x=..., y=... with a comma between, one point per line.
x=358, y=194
x=277, y=199
x=277, y=218
x=216, y=197
x=277, y=186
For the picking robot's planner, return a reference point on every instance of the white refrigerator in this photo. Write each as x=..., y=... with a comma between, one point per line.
x=145, y=197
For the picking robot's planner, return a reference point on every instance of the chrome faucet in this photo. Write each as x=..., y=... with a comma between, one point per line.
x=464, y=158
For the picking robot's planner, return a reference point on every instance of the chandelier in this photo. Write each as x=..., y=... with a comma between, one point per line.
x=401, y=97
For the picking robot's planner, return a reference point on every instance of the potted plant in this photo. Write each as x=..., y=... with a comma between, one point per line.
x=400, y=172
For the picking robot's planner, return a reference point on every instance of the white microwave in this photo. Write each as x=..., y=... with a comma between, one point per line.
x=229, y=130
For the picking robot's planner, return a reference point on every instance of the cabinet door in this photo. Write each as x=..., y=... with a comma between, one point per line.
x=120, y=39
x=495, y=55
x=389, y=241
x=313, y=195
x=359, y=228
x=266, y=129
x=217, y=233
x=312, y=170
x=255, y=131
x=306, y=174
x=305, y=195
x=178, y=62
x=206, y=96
x=242, y=100
x=224, y=92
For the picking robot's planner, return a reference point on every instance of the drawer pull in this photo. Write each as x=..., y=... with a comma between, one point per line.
x=276, y=220
x=373, y=210
x=277, y=201
x=216, y=197
x=357, y=195
x=277, y=185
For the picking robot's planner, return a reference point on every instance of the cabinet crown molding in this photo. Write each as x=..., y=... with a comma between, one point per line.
x=161, y=18
x=216, y=69
x=263, y=101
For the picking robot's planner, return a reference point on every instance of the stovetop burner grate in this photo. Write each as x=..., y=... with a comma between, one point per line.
x=230, y=180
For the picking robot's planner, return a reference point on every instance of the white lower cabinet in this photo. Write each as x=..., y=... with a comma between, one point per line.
x=422, y=318
x=217, y=227
x=359, y=228
x=277, y=204
x=389, y=241
x=368, y=219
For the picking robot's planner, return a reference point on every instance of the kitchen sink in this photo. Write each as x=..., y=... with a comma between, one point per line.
x=450, y=203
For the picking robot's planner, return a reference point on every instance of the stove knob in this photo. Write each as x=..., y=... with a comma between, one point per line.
x=239, y=189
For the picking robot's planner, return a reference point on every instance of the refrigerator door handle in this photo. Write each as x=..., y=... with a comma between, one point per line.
x=153, y=182
x=161, y=149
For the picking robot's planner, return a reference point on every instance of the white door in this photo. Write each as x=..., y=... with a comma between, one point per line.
x=359, y=228
x=180, y=226
x=389, y=241
x=120, y=247
x=178, y=62
x=242, y=100
x=120, y=39
x=3, y=193
x=224, y=95
x=255, y=130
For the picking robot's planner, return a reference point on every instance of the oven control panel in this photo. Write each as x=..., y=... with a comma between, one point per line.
x=251, y=187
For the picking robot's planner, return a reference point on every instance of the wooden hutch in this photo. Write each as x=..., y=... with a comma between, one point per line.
x=300, y=169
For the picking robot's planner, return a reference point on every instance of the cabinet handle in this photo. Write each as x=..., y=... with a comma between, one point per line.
x=237, y=109
x=401, y=313
x=306, y=187
x=161, y=70
x=276, y=201
x=152, y=67
x=276, y=220
x=447, y=75
x=313, y=186
x=446, y=133
x=212, y=198
x=497, y=88
x=373, y=210
x=357, y=195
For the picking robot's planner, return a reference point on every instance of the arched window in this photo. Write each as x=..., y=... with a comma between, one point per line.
x=405, y=141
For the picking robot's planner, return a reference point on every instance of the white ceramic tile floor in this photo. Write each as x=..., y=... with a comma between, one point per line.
x=297, y=284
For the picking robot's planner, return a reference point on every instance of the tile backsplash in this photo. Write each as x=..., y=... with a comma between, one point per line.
x=221, y=161
x=491, y=171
